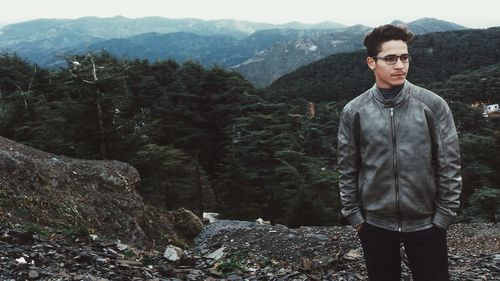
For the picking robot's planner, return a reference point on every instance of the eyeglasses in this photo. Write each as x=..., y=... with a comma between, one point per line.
x=393, y=59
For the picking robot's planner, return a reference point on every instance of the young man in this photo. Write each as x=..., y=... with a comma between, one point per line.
x=399, y=165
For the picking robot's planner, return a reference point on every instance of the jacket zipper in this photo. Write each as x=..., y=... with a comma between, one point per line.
x=395, y=164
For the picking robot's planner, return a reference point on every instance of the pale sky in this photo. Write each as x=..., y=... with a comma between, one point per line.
x=474, y=14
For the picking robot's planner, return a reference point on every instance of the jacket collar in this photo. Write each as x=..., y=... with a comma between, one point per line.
x=403, y=95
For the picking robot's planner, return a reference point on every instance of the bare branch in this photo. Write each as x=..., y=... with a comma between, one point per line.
x=31, y=81
x=93, y=68
x=81, y=79
x=21, y=92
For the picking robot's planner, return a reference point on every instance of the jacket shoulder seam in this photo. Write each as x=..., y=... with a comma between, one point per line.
x=435, y=105
x=354, y=107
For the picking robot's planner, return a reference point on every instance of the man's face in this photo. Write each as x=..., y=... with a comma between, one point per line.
x=389, y=75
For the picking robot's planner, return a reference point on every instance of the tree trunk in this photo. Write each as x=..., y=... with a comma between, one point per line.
x=199, y=188
x=102, y=133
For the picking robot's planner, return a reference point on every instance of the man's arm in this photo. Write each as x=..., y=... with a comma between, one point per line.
x=447, y=167
x=348, y=161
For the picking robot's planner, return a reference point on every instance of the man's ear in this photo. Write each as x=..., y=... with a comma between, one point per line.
x=371, y=63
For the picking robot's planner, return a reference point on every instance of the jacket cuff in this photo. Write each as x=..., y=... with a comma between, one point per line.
x=442, y=220
x=355, y=218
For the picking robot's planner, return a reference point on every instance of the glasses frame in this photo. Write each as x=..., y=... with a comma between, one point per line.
x=400, y=57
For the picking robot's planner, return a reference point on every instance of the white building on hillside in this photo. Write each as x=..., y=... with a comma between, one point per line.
x=490, y=109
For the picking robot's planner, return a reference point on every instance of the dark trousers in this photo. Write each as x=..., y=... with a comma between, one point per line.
x=426, y=250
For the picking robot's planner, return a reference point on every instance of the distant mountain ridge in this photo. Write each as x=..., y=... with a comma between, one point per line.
x=264, y=68
x=429, y=25
x=122, y=27
x=303, y=48
x=262, y=52
x=180, y=46
x=45, y=41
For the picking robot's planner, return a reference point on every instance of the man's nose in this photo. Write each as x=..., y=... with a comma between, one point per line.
x=399, y=64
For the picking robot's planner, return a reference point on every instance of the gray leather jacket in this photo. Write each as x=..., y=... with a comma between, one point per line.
x=399, y=162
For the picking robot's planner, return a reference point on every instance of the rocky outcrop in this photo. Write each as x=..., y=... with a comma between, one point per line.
x=81, y=197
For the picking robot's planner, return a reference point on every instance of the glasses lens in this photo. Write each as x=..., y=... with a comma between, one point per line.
x=391, y=59
x=405, y=58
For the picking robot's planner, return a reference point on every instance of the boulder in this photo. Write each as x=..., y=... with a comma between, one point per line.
x=82, y=197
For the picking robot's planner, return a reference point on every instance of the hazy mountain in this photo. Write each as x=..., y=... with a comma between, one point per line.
x=270, y=64
x=119, y=27
x=43, y=41
x=436, y=57
x=35, y=31
x=49, y=51
x=208, y=50
x=122, y=27
x=180, y=46
x=304, y=47
x=428, y=25
x=321, y=25
x=251, y=27
x=264, y=39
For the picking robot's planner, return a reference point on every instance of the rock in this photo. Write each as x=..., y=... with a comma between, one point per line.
x=173, y=253
x=187, y=223
x=23, y=237
x=219, y=253
x=166, y=272
x=121, y=247
x=496, y=258
x=33, y=274
x=234, y=277
x=188, y=260
x=128, y=263
x=306, y=264
x=195, y=275
x=214, y=273
x=168, y=227
x=211, y=217
x=354, y=254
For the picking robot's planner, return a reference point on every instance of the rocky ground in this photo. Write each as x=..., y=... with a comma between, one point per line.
x=230, y=250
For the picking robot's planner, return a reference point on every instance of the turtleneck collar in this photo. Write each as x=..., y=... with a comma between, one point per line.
x=401, y=95
x=390, y=93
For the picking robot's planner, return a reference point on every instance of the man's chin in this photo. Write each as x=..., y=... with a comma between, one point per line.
x=397, y=83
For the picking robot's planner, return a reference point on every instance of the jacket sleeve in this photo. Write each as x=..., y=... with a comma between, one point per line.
x=348, y=163
x=446, y=158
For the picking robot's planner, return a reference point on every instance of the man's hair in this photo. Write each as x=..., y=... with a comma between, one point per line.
x=373, y=41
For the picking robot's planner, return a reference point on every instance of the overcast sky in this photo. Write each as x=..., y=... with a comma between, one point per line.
x=474, y=14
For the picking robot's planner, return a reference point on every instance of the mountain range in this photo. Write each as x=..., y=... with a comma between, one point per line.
x=261, y=52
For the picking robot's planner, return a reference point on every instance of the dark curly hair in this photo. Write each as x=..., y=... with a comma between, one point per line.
x=374, y=40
